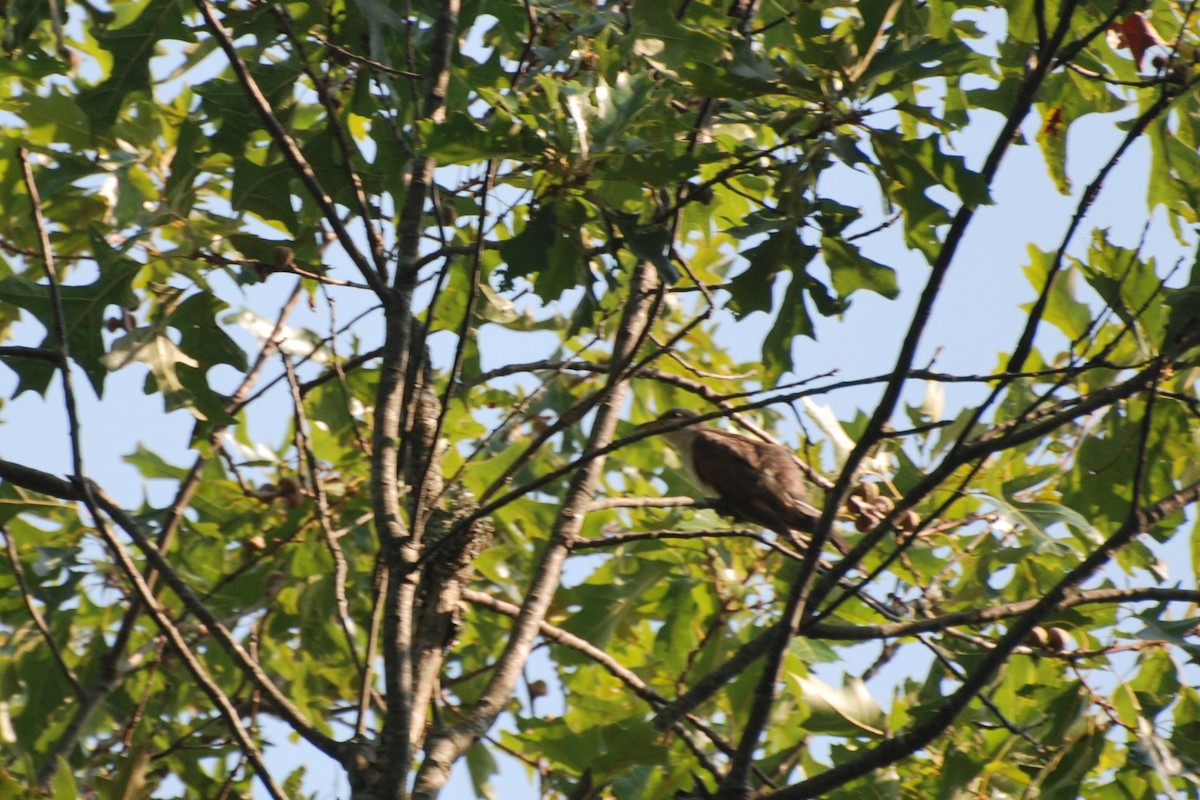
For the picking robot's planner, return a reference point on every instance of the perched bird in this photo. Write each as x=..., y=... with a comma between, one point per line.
x=752, y=480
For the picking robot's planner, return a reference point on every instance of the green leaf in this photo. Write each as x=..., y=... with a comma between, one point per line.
x=751, y=290
x=1170, y=159
x=132, y=46
x=64, y=786
x=482, y=766
x=265, y=191
x=1063, y=310
x=462, y=139
x=793, y=320
x=152, y=347
x=850, y=711
x=913, y=167
x=549, y=250
x=850, y=270
x=83, y=310
x=151, y=465
x=237, y=120
x=1052, y=137
x=1038, y=517
x=200, y=336
x=1062, y=778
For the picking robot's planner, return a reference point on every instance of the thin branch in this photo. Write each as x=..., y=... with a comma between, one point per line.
x=364, y=216
x=1025, y=344
x=206, y=683
x=958, y=672
x=375, y=65
x=971, y=452
x=291, y=151
x=59, y=317
x=45, y=483
x=38, y=353
x=645, y=502
x=445, y=746
x=920, y=735
x=710, y=684
x=366, y=689
x=89, y=700
x=14, y=560
x=340, y=568
x=639, y=687
x=558, y=635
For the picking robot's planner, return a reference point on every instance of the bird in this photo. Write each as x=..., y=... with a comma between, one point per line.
x=753, y=480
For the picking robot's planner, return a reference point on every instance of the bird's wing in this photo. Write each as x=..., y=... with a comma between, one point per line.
x=761, y=478
x=757, y=481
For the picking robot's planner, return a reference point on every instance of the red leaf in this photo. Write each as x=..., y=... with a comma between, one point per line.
x=1138, y=35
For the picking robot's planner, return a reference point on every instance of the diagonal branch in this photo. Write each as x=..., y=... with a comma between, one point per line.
x=56, y=310
x=1001, y=438
x=308, y=459
x=291, y=151
x=447, y=745
x=14, y=560
x=348, y=151
x=1138, y=520
x=45, y=483
x=205, y=681
x=618, y=670
x=108, y=671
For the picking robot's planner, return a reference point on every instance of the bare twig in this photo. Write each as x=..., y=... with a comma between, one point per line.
x=14, y=560
x=206, y=683
x=321, y=502
x=446, y=745
x=291, y=151
x=898, y=747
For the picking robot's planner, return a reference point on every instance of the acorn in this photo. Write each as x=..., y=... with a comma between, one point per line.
x=1037, y=638
x=282, y=258
x=858, y=505
x=1059, y=640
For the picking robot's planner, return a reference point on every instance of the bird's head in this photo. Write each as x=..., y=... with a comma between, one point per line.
x=683, y=420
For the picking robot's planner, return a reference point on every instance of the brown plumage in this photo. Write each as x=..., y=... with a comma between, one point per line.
x=753, y=480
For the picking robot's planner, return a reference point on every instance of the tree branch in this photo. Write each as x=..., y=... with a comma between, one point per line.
x=108, y=672
x=447, y=745
x=45, y=483
x=400, y=546
x=291, y=151
x=14, y=560
x=919, y=736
